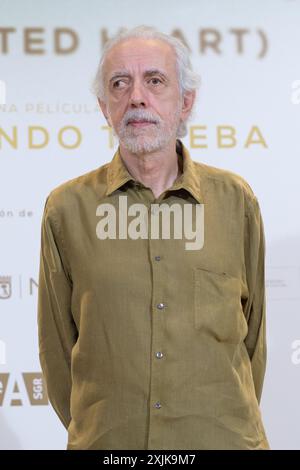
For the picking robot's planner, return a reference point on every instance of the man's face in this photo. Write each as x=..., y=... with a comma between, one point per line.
x=143, y=101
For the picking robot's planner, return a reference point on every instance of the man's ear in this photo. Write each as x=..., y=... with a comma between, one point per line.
x=187, y=103
x=103, y=107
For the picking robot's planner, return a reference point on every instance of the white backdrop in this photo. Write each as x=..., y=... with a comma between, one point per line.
x=51, y=130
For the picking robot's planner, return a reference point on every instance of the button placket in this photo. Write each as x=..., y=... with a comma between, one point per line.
x=158, y=313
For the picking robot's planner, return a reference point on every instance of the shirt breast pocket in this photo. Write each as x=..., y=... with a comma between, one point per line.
x=218, y=310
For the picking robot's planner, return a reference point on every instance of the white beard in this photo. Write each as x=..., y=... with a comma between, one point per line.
x=148, y=139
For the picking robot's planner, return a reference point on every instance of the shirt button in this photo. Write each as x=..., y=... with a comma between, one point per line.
x=157, y=258
x=157, y=405
x=160, y=306
x=159, y=354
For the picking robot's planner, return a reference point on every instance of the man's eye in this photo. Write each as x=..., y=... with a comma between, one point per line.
x=118, y=84
x=155, y=81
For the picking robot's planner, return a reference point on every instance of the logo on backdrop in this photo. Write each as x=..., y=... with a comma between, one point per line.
x=66, y=41
x=5, y=287
x=27, y=286
x=71, y=138
x=11, y=213
x=282, y=282
x=27, y=388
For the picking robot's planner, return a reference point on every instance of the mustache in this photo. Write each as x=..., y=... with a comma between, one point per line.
x=140, y=115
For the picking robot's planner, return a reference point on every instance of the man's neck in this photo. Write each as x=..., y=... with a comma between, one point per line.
x=156, y=170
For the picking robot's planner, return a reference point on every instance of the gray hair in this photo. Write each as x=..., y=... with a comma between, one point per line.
x=188, y=80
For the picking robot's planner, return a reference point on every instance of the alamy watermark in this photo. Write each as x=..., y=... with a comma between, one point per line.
x=295, y=357
x=295, y=93
x=159, y=221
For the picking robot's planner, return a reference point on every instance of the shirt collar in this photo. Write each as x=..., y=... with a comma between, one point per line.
x=118, y=175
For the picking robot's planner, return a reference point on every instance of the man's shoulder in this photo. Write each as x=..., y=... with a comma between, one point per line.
x=67, y=193
x=234, y=183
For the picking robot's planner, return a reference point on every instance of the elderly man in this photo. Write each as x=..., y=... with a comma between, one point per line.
x=148, y=341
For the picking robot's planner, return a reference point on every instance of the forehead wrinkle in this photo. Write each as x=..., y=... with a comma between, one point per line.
x=122, y=53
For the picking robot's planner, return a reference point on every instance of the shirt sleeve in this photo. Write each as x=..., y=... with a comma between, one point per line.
x=255, y=308
x=57, y=332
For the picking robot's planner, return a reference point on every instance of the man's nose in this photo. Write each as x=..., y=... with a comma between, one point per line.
x=138, y=95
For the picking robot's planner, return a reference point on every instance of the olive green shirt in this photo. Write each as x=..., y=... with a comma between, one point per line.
x=145, y=344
